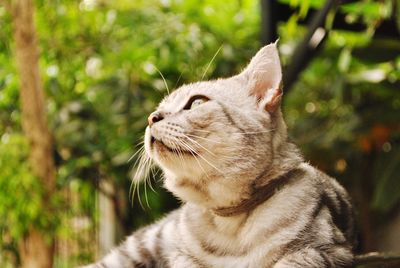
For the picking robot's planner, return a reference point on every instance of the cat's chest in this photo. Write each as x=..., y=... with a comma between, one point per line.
x=249, y=240
x=215, y=243
x=254, y=258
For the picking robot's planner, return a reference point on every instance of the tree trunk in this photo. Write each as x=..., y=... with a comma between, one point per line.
x=36, y=249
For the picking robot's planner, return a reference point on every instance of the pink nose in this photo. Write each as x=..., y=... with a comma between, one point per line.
x=154, y=117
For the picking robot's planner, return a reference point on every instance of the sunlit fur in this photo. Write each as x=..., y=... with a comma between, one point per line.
x=225, y=156
x=218, y=154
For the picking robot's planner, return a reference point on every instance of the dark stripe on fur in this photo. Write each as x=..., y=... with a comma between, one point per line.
x=326, y=259
x=339, y=217
x=144, y=253
x=157, y=250
x=259, y=195
x=230, y=118
x=197, y=261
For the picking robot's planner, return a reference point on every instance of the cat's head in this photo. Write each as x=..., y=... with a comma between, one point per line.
x=214, y=137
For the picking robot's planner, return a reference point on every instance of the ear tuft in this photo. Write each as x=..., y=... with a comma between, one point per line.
x=272, y=103
x=264, y=77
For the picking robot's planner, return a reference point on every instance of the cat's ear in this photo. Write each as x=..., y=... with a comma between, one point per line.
x=263, y=77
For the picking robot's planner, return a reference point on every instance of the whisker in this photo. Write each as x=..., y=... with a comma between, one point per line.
x=137, y=188
x=194, y=156
x=142, y=164
x=253, y=132
x=145, y=193
x=138, y=151
x=165, y=82
x=225, y=157
x=202, y=130
x=161, y=178
x=206, y=139
x=192, y=149
x=146, y=180
x=139, y=197
x=153, y=176
x=155, y=171
x=243, y=133
x=198, y=144
x=180, y=154
x=179, y=79
x=135, y=175
x=213, y=58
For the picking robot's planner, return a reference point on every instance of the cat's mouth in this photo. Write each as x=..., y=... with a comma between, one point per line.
x=162, y=147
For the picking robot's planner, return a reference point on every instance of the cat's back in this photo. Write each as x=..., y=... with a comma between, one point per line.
x=323, y=211
x=333, y=202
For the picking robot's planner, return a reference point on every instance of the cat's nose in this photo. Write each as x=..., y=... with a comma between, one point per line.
x=154, y=117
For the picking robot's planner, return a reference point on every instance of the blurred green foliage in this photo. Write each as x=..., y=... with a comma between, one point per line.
x=18, y=186
x=100, y=62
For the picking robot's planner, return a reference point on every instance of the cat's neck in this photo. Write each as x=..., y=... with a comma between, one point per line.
x=230, y=192
x=230, y=220
x=283, y=168
x=259, y=195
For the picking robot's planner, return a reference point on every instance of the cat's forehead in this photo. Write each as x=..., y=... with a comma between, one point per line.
x=221, y=89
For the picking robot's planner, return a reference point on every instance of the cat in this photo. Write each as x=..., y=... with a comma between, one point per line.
x=249, y=198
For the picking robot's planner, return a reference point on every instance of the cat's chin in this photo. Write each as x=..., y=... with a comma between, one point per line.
x=162, y=152
x=170, y=159
x=161, y=148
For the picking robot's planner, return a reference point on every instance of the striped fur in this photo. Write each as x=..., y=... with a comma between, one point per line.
x=249, y=198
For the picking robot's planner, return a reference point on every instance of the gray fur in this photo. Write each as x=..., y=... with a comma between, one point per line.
x=222, y=153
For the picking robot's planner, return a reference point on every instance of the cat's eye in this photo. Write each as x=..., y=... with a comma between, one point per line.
x=195, y=101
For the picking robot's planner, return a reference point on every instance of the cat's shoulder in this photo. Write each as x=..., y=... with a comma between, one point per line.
x=319, y=180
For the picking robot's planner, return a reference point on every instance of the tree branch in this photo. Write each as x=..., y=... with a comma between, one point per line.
x=306, y=49
x=269, y=21
x=377, y=258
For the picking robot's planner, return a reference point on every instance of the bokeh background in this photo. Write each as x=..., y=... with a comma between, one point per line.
x=100, y=63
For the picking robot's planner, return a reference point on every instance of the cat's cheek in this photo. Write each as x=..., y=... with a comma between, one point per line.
x=163, y=158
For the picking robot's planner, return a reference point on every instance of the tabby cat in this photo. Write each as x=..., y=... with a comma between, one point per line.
x=249, y=198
